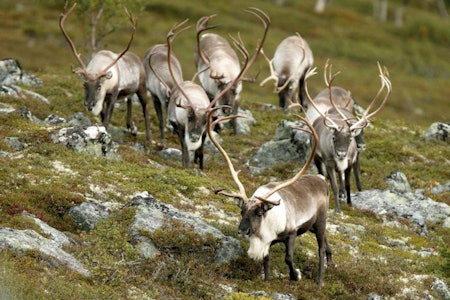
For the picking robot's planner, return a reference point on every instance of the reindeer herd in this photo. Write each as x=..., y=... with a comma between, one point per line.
x=277, y=211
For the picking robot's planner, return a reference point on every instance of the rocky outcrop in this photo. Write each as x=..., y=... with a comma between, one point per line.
x=152, y=214
x=438, y=130
x=25, y=240
x=401, y=201
x=288, y=145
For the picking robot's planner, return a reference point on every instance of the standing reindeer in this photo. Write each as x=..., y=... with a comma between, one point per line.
x=110, y=76
x=218, y=66
x=292, y=58
x=337, y=127
x=280, y=211
x=189, y=105
x=159, y=81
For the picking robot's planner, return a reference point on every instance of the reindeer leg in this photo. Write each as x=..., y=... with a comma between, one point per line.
x=159, y=113
x=289, y=259
x=130, y=124
x=302, y=91
x=357, y=172
x=110, y=100
x=342, y=178
x=347, y=184
x=198, y=155
x=266, y=264
x=142, y=95
x=332, y=176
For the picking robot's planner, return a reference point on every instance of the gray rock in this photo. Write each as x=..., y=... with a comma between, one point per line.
x=288, y=145
x=11, y=73
x=25, y=240
x=170, y=153
x=92, y=140
x=79, y=119
x=441, y=289
x=398, y=182
x=151, y=215
x=373, y=296
x=25, y=113
x=15, y=143
x=415, y=207
x=440, y=189
x=55, y=235
x=438, y=131
x=87, y=214
x=279, y=296
x=54, y=120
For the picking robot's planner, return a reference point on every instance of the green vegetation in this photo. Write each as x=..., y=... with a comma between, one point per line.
x=417, y=58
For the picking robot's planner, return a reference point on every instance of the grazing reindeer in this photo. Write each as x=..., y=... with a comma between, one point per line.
x=189, y=105
x=218, y=65
x=280, y=211
x=159, y=81
x=110, y=76
x=292, y=58
x=337, y=128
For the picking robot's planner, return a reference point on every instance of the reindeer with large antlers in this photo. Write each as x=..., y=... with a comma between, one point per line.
x=337, y=128
x=280, y=211
x=110, y=76
x=292, y=59
x=189, y=105
x=218, y=66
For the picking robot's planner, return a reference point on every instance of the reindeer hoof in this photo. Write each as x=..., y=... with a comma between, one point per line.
x=133, y=129
x=297, y=275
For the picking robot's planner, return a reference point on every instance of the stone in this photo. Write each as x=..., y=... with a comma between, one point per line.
x=438, y=130
x=87, y=214
x=152, y=214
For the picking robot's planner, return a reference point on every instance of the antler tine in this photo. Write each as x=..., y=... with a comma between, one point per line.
x=170, y=37
x=309, y=73
x=329, y=81
x=201, y=27
x=264, y=18
x=272, y=71
x=305, y=166
x=385, y=82
x=62, y=19
x=134, y=24
x=242, y=194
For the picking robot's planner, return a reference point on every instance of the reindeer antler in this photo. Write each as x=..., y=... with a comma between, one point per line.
x=309, y=73
x=133, y=23
x=235, y=174
x=77, y=55
x=173, y=32
x=385, y=83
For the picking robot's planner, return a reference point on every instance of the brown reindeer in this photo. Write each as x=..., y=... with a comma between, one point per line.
x=280, y=211
x=337, y=127
x=110, y=76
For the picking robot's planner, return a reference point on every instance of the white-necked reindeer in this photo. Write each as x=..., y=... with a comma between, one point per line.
x=189, y=106
x=280, y=211
x=160, y=83
x=337, y=128
x=292, y=59
x=110, y=76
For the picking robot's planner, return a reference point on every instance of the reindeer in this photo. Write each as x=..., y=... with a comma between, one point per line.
x=218, y=65
x=280, y=211
x=189, y=105
x=337, y=127
x=110, y=76
x=292, y=58
x=159, y=81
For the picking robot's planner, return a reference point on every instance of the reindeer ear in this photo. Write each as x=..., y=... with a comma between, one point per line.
x=267, y=206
